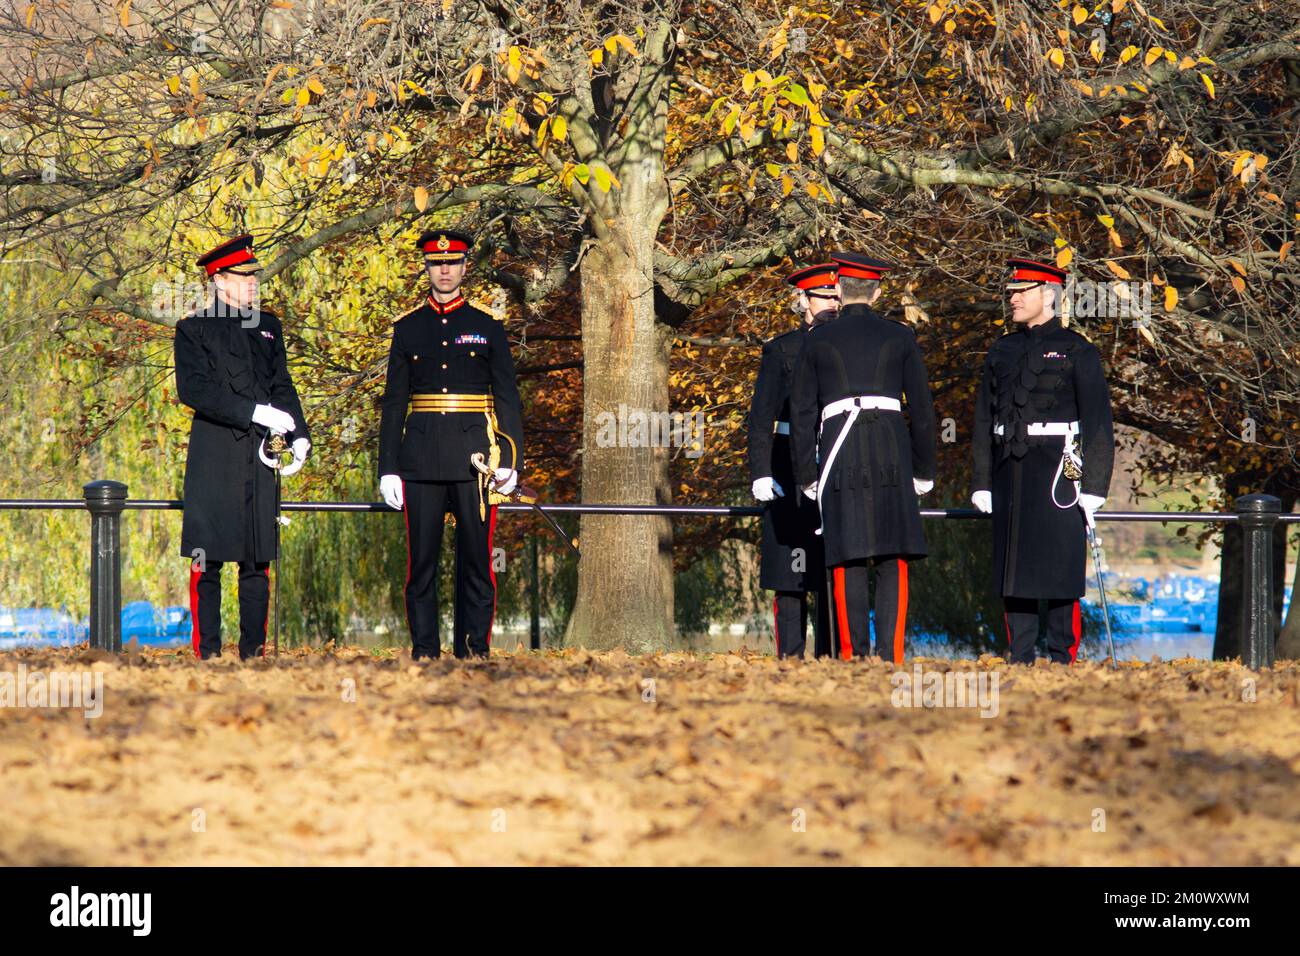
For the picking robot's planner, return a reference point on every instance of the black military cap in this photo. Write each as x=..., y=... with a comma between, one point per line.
x=854, y=265
x=1027, y=273
x=445, y=245
x=233, y=255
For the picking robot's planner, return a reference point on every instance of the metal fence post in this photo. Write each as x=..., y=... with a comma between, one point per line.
x=1257, y=515
x=105, y=501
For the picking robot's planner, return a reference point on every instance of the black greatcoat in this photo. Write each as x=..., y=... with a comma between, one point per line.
x=1045, y=374
x=791, y=521
x=462, y=351
x=869, y=506
x=223, y=370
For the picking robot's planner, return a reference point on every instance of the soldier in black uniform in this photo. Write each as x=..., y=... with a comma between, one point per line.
x=232, y=371
x=859, y=459
x=1042, y=401
x=792, y=562
x=450, y=393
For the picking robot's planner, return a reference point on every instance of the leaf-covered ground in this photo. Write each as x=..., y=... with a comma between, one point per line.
x=574, y=758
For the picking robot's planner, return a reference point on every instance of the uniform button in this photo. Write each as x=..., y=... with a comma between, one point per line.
x=444, y=341
x=444, y=321
x=444, y=390
x=444, y=364
x=471, y=352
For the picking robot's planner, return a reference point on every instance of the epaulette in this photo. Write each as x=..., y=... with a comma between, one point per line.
x=398, y=318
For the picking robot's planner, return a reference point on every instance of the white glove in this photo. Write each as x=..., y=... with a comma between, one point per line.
x=983, y=500
x=922, y=485
x=273, y=419
x=504, y=480
x=1090, y=505
x=300, y=448
x=811, y=491
x=767, y=489
x=390, y=487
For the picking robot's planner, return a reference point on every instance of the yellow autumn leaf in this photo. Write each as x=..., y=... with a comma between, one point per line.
x=304, y=96
x=1146, y=333
x=1285, y=251
x=421, y=198
x=949, y=26
x=729, y=123
x=1097, y=50
x=747, y=83
x=604, y=179
x=773, y=170
x=1209, y=85
x=374, y=22
x=1241, y=270
x=1171, y=298
x=1056, y=57
x=514, y=64
x=560, y=128
x=174, y=84
x=1064, y=258
x=474, y=76
x=1107, y=221
x=124, y=16
x=1153, y=54
x=1128, y=53
x=1119, y=271
x=1239, y=284
x=597, y=56
x=792, y=151
x=787, y=184
x=316, y=86
x=818, y=141
x=194, y=85
x=1079, y=14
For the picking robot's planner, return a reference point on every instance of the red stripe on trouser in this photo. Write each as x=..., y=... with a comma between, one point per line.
x=1076, y=625
x=406, y=517
x=776, y=627
x=900, y=621
x=842, y=615
x=194, y=608
x=268, y=604
x=1007, y=621
x=492, y=524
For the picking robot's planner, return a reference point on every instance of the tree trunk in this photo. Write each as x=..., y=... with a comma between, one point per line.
x=625, y=585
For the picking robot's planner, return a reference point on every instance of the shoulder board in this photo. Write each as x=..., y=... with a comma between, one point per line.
x=402, y=315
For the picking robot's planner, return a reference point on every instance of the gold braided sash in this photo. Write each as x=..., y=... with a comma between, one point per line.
x=435, y=402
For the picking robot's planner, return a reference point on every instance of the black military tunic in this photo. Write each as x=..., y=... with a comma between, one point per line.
x=791, y=521
x=447, y=349
x=1043, y=374
x=225, y=366
x=869, y=506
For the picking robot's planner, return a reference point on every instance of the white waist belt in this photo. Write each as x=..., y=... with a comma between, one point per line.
x=1045, y=428
x=781, y=428
x=859, y=402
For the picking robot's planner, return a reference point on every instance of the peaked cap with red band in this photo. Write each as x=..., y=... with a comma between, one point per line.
x=1027, y=273
x=233, y=255
x=445, y=245
x=812, y=278
x=853, y=265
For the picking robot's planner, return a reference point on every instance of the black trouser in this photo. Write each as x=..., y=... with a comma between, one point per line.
x=853, y=607
x=1064, y=627
x=205, y=608
x=790, y=620
x=427, y=503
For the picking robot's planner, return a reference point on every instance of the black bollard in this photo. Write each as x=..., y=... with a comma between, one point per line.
x=1257, y=515
x=105, y=501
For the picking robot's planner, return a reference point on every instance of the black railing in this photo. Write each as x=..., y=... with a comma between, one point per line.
x=1257, y=515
